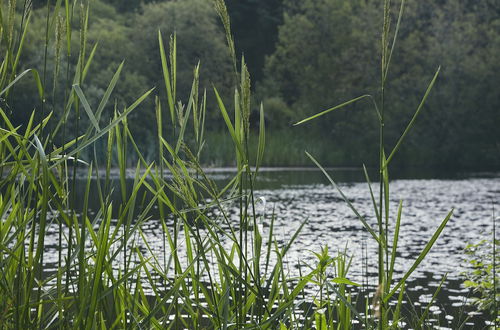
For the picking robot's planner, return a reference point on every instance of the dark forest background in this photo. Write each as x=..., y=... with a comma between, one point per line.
x=304, y=56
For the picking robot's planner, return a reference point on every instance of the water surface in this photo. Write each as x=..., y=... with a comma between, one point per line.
x=298, y=195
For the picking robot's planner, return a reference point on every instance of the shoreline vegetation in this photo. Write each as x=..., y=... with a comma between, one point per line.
x=215, y=270
x=302, y=61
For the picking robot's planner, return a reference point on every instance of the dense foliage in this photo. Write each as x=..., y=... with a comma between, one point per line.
x=306, y=56
x=325, y=55
x=484, y=277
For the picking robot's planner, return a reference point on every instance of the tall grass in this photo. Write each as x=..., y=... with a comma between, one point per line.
x=387, y=249
x=215, y=269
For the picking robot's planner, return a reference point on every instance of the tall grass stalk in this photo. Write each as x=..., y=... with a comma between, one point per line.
x=386, y=255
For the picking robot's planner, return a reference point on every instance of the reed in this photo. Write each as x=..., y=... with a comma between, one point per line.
x=215, y=269
x=386, y=316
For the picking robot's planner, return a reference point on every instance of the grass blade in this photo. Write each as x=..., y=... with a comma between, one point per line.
x=421, y=257
x=86, y=106
x=331, y=109
x=359, y=216
x=412, y=121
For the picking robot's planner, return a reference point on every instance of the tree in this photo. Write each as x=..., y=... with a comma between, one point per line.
x=255, y=27
x=199, y=39
x=327, y=54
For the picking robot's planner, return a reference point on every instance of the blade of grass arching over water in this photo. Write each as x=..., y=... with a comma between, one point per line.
x=421, y=257
x=331, y=109
x=344, y=197
x=412, y=121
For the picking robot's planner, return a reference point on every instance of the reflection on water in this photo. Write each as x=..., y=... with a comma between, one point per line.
x=300, y=195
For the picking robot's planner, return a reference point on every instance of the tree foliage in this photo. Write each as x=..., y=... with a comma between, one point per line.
x=327, y=52
x=131, y=38
x=304, y=57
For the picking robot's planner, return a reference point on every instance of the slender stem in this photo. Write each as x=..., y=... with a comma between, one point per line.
x=495, y=315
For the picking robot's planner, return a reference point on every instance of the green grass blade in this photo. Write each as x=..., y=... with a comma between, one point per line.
x=397, y=312
x=372, y=196
x=86, y=106
x=21, y=42
x=166, y=78
x=427, y=308
x=347, y=304
x=36, y=76
x=412, y=121
x=89, y=61
x=185, y=119
x=229, y=125
x=395, y=242
x=103, y=131
x=331, y=109
x=108, y=92
x=344, y=197
x=421, y=257
x=262, y=139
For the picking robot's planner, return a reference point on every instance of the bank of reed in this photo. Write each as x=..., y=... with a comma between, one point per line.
x=215, y=270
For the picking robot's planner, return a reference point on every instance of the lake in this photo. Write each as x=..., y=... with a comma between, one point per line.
x=298, y=195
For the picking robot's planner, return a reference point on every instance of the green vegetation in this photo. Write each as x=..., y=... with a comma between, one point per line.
x=305, y=56
x=324, y=56
x=484, y=278
x=386, y=315
x=216, y=269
